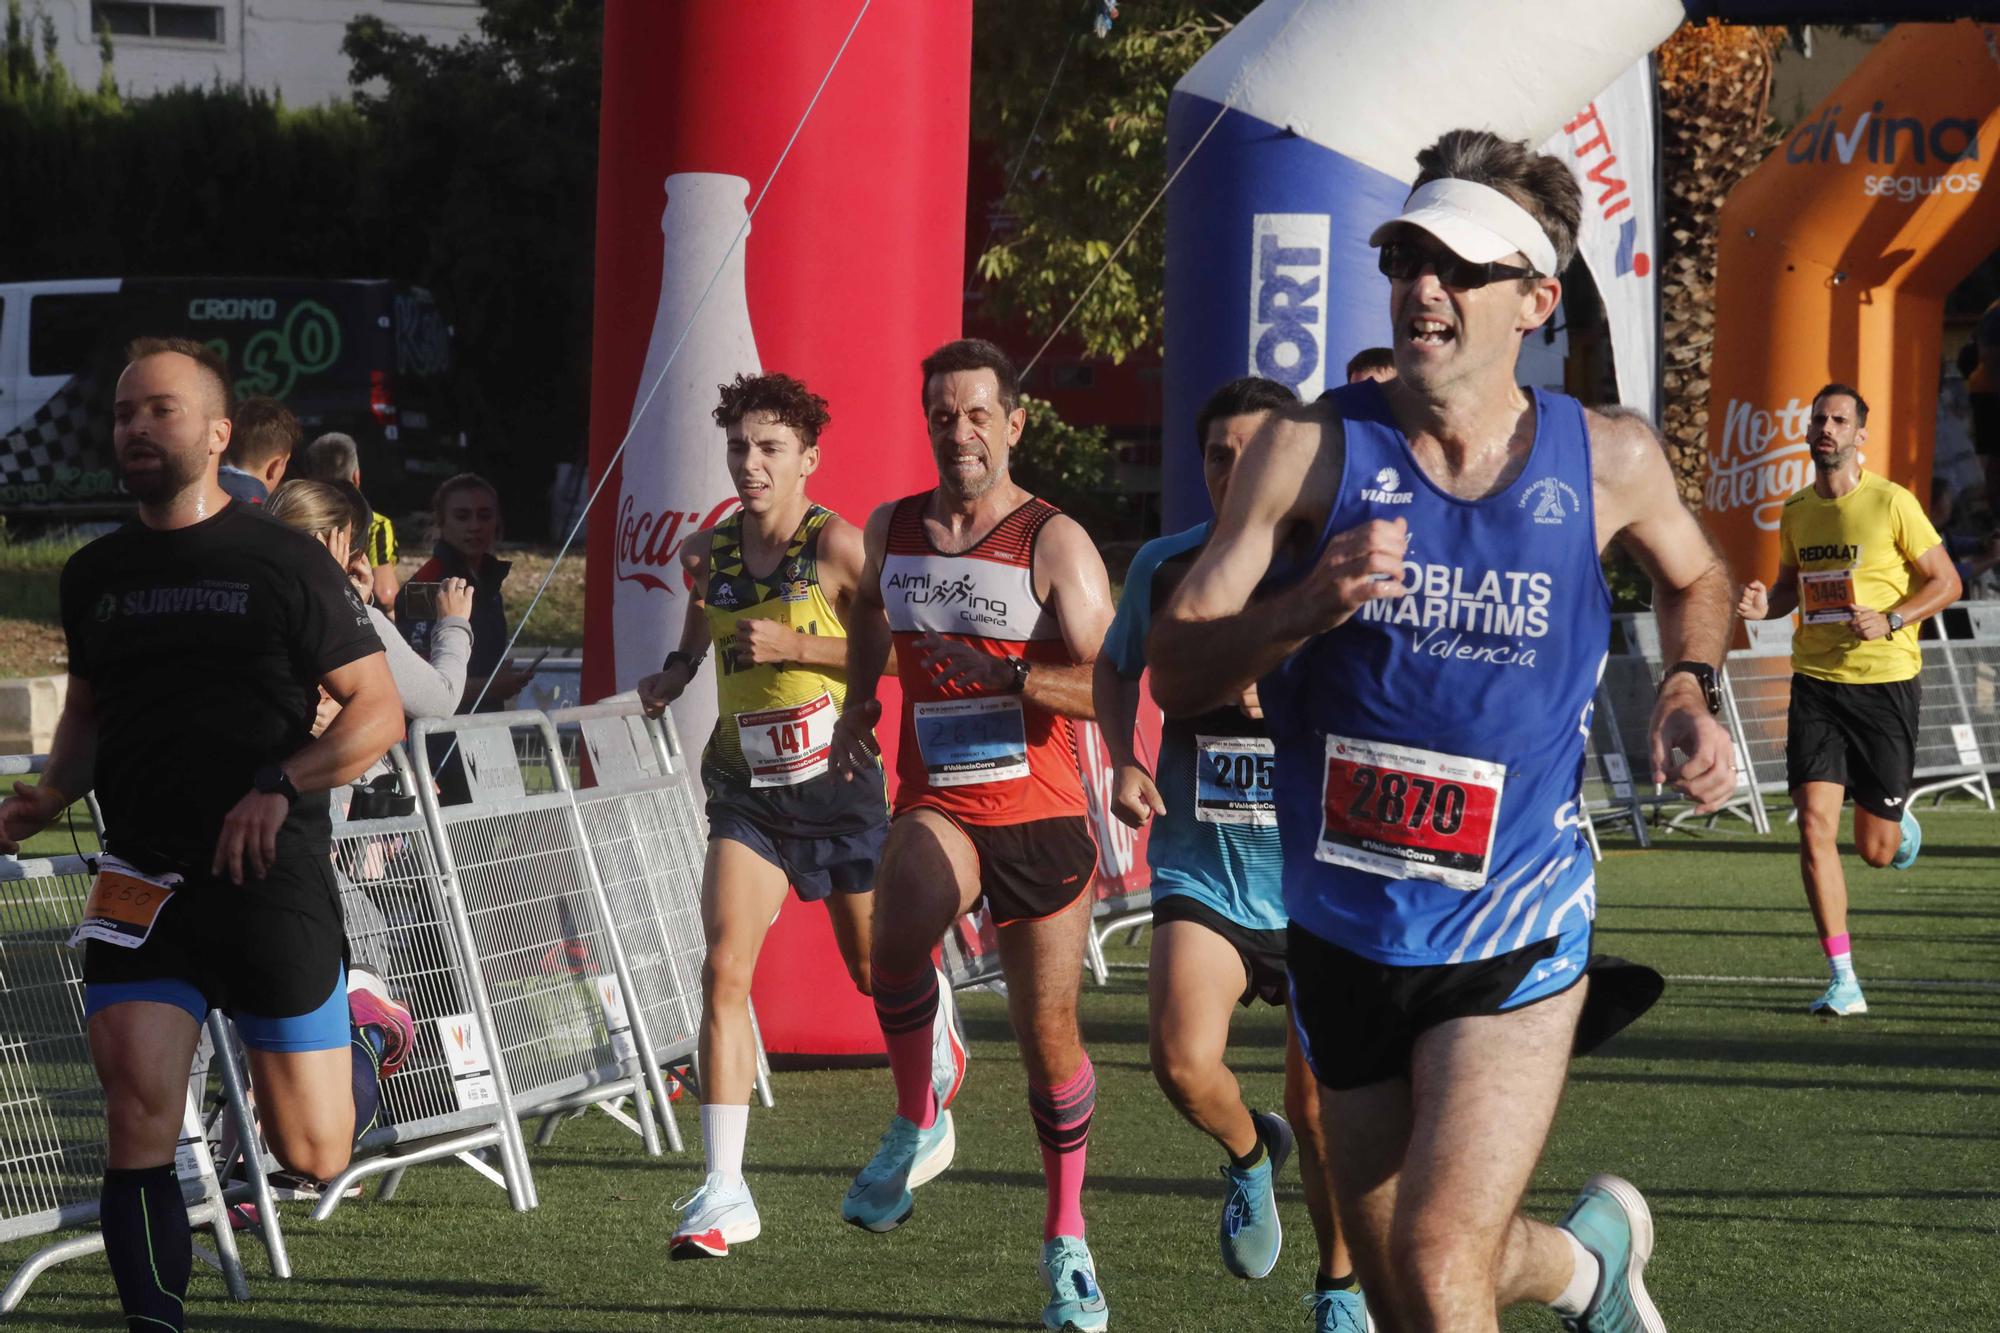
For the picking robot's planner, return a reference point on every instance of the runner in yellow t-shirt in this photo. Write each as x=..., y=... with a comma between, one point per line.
x=1862, y=565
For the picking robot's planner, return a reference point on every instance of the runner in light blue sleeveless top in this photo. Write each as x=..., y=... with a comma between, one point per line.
x=1218, y=841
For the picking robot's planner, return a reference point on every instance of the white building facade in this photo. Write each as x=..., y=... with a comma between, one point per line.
x=287, y=48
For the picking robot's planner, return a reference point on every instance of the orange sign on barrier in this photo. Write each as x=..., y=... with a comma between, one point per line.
x=1836, y=255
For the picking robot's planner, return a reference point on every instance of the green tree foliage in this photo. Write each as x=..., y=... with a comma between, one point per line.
x=1097, y=158
x=195, y=181
x=1066, y=465
x=485, y=172
x=469, y=169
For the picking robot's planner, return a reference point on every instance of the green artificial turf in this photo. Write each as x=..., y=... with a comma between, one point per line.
x=1803, y=1174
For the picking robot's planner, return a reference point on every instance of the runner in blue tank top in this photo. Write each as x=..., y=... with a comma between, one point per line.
x=1218, y=907
x=1428, y=624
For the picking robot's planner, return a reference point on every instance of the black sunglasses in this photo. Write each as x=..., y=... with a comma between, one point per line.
x=1404, y=260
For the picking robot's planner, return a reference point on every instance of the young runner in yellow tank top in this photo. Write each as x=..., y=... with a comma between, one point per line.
x=773, y=584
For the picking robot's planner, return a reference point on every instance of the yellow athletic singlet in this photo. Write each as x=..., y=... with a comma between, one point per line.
x=768, y=756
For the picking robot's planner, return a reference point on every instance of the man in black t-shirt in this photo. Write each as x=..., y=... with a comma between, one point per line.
x=199, y=636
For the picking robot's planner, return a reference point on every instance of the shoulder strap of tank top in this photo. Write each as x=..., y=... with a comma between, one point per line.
x=725, y=549
x=906, y=524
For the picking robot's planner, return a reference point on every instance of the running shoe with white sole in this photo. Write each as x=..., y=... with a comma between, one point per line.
x=1250, y=1232
x=1842, y=999
x=716, y=1216
x=948, y=1048
x=879, y=1199
x=1611, y=1220
x=371, y=1008
x=1076, y=1302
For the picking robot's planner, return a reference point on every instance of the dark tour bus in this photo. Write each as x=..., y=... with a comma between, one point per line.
x=372, y=358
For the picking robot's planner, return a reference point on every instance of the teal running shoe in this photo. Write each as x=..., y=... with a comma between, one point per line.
x=879, y=1199
x=1251, y=1234
x=1842, y=999
x=1339, y=1312
x=1076, y=1302
x=1611, y=1220
x=1913, y=842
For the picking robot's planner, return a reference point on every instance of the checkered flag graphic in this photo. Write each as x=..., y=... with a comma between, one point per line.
x=70, y=432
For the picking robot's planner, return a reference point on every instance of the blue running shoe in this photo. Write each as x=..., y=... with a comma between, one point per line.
x=1339, y=1312
x=1842, y=999
x=1611, y=1220
x=1913, y=841
x=1076, y=1302
x=879, y=1199
x=1251, y=1233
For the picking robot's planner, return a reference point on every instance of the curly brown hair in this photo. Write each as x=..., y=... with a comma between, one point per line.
x=786, y=399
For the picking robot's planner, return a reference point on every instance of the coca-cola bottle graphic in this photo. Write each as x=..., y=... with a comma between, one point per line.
x=675, y=480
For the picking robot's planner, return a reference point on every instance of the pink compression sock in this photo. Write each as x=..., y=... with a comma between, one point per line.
x=1835, y=945
x=906, y=1007
x=1062, y=1122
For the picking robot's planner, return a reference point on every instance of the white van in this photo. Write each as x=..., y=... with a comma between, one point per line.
x=48, y=331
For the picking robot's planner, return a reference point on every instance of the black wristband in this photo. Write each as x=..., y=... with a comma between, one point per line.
x=693, y=664
x=272, y=780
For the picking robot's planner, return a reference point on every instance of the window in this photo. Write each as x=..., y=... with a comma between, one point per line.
x=63, y=329
x=146, y=18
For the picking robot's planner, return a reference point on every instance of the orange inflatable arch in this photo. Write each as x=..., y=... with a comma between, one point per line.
x=1836, y=256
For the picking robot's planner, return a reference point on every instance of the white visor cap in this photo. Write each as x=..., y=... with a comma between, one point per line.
x=1476, y=221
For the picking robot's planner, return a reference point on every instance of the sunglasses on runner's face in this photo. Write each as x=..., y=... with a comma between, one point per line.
x=1404, y=260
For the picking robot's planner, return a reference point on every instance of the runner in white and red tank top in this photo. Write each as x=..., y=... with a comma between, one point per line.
x=996, y=605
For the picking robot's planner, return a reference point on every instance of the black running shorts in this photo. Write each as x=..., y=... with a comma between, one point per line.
x=1032, y=870
x=272, y=947
x=1262, y=951
x=1862, y=737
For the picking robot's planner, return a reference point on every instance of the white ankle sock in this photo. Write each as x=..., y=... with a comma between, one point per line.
x=1841, y=966
x=722, y=1131
x=1575, y=1298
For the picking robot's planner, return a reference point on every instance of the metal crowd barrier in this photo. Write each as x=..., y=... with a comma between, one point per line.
x=1635, y=664
x=1949, y=755
x=518, y=861
x=404, y=924
x=646, y=831
x=52, y=1109
x=546, y=937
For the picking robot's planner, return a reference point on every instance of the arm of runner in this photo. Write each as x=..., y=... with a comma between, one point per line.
x=1080, y=594
x=1134, y=797
x=664, y=686
x=868, y=644
x=1774, y=603
x=66, y=775
x=370, y=721
x=843, y=553
x=1210, y=645
x=1940, y=588
x=1691, y=599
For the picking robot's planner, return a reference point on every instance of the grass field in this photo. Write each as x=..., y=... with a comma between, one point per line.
x=1804, y=1175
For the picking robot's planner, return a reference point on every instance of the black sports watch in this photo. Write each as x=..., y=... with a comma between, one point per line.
x=272, y=780
x=1022, y=666
x=693, y=664
x=1895, y=622
x=1704, y=674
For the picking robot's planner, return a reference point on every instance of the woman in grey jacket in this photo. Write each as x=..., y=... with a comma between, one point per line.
x=332, y=512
